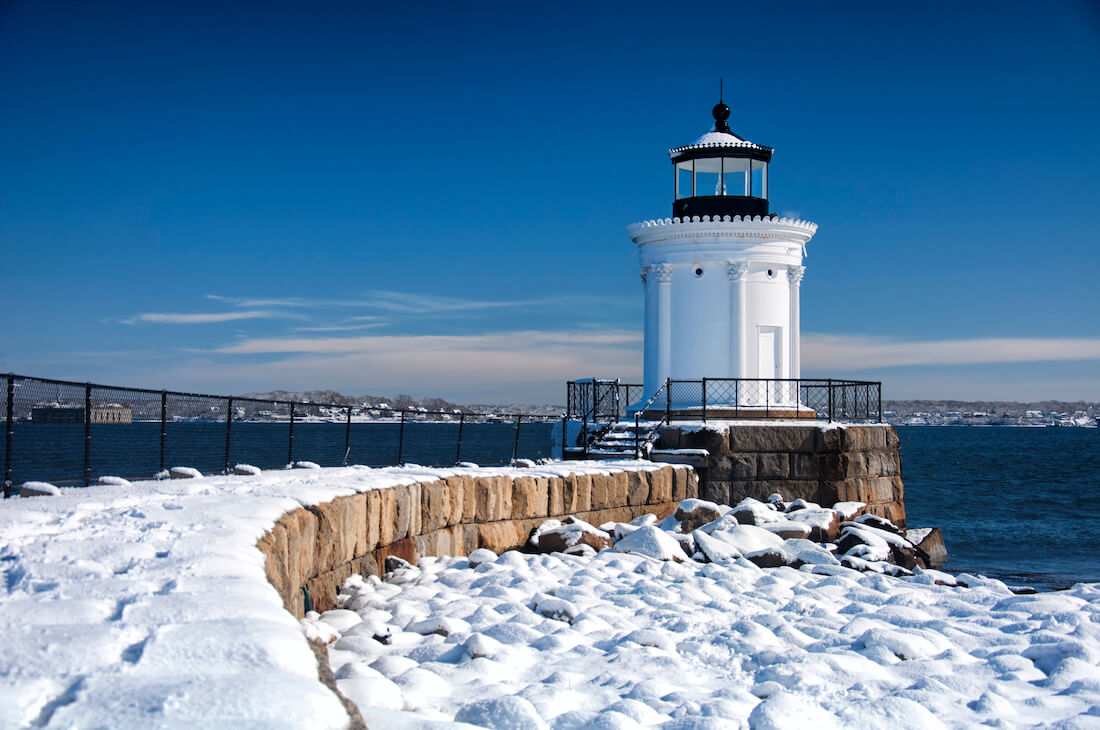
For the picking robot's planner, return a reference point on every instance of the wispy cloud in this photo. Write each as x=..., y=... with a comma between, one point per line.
x=408, y=303
x=198, y=317
x=342, y=327
x=525, y=366
x=436, y=344
x=839, y=352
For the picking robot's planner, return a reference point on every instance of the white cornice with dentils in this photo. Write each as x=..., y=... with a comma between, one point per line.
x=703, y=227
x=743, y=144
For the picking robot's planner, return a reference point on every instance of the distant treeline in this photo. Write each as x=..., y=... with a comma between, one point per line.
x=404, y=401
x=998, y=407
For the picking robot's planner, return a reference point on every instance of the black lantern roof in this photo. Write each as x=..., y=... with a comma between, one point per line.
x=721, y=142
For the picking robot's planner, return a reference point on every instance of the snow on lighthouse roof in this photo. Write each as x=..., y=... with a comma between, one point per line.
x=719, y=136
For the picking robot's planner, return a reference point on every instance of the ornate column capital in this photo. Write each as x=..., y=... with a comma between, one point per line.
x=663, y=272
x=737, y=270
x=794, y=274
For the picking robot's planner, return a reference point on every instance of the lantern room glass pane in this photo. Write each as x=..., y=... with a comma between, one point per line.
x=735, y=169
x=759, y=184
x=683, y=180
x=707, y=182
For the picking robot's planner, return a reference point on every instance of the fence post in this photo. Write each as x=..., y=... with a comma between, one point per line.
x=767, y=398
x=564, y=434
x=668, y=400
x=830, y=387
x=401, y=437
x=228, y=429
x=797, y=399
x=9, y=432
x=87, y=434
x=737, y=398
x=515, y=446
x=878, y=387
x=347, y=436
x=704, y=400
x=290, y=440
x=163, y=425
x=462, y=422
x=637, y=444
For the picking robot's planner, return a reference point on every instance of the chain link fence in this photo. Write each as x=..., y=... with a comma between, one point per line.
x=69, y=433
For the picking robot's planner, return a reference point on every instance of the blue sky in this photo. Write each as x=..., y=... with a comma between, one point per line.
x=237, y=197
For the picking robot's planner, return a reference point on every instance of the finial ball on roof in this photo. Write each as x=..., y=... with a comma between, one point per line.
x=721, y=113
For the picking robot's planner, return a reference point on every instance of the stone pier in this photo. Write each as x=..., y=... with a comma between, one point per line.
x=825, y=464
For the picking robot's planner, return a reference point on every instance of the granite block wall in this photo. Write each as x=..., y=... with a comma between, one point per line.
x=318, y=547
x=822, y=464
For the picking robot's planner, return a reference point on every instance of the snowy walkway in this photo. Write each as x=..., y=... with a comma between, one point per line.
x=147, y=605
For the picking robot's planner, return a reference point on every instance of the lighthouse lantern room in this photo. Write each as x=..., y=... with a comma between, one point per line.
x=722, y=276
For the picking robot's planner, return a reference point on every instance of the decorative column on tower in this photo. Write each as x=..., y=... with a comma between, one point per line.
x=794, y=276
x=664, y=320
x=722, y=276
x=738, y=272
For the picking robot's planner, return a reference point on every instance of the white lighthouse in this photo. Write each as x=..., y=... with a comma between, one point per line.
x=722, y=275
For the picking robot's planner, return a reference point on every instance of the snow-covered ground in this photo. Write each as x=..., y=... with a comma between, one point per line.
x=620, y=640
x=146, y=605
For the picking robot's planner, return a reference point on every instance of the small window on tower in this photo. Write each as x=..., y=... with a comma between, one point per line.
x=771, y=273
x=698, y=271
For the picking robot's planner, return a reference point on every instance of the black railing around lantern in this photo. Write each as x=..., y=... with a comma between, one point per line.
x=813, y=399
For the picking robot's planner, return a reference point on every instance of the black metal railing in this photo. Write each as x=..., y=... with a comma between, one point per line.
x=815, y=399
x=71, y=433
x=600, y=400
x=645, y=414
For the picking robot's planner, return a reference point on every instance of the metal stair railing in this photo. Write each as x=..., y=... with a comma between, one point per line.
x=666, y=418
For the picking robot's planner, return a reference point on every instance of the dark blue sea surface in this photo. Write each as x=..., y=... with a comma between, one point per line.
x=1018, y=504
x=54, y=452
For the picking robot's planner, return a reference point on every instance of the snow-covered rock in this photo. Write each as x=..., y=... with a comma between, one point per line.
x=751, y=511
x=481, y=555
x=504, y=713
x=652, y=543
x=849, y=510
x=693, y=513
x=749, y=538
x=38, y=489
x=554, y=536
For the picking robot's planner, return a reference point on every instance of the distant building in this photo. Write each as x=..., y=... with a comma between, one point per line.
x=57, y=413
x=112, y=413
x=68, y=413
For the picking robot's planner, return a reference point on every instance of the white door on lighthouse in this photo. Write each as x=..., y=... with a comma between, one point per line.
x=769, y=362
x=768, y=366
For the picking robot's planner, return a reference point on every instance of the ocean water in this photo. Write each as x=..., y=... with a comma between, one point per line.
x=1018, y=504
x=54, y=452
